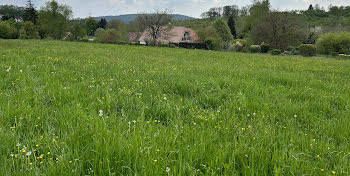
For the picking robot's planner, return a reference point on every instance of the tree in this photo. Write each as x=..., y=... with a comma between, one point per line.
x=223, y=30
x=229, y=11
x=11, y=11
x=91, y=26
x=7, y=31
x=311, y=7
x=77, y=32
x=29, y=31
x=53, y=19
x=156, y=25
x=280, y=30
x=107, y=36
x=121, y=29
x=257, y=12
x=232, y=25
x=30, y=13
x=102, y=23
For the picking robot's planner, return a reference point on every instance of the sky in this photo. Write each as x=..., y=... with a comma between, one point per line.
x=193, y=8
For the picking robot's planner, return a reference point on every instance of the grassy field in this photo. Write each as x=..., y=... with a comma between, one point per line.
x=92, y=109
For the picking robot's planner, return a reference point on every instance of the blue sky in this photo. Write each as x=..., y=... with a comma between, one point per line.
x=84, y=8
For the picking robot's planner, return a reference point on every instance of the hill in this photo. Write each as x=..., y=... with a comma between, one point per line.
x=95, y=109
x=130, y=17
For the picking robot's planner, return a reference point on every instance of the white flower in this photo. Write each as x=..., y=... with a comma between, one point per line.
x=29, y=153
x=64, y=88
x=21, y=71
x=12, y=155
x=8, y=70
x=164, y=98
x=248, y=115
x=100, y=113
x=254, y=114
x=134, y=121
x=295, y=116
x=167, y=169
x=18, y=144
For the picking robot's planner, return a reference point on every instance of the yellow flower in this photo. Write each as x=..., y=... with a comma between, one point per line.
x=24, y=150
x=48, y=153
x=158, y=150
x=333, y=172
x=30, y=163
x=37, y=145
x=41, y=156
x=155, y=161
x=70, y=161
x=322, y=170
x=314, y=140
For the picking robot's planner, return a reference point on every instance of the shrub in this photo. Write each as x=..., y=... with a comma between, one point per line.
x=255, y=49
x=334, y=42
x=265, y=48
x=223, y=30
x=29, y=31
x=307, y=50
x=107, y=36
x=335, y=54
x=239, y=45
x=164, y=45
x=275, y=52
x=211, y=42
x=296, y=51
x=7, y=31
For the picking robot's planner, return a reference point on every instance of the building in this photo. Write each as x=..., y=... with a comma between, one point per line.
x=176, y=35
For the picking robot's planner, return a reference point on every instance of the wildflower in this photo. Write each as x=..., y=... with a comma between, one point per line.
x=12, y=155
x=155, y=161
x=29, y=153
x=322, y=170
x=167, y=169
x=8, y=70
x=24, y=150
x=41, y=156
x=100, y=113
x=158, y=150
x=21, y=71
x=134, y=121
x=248, y=115
x=164, y=98
x=254, y=114
x=333, y=172
x=64, y=88
x=314, y=140
x=70, y=162
x=48, y=153
x=30, y=163
x=318, y=156
x=37, y=145
x=18, y=144
x=295, y=116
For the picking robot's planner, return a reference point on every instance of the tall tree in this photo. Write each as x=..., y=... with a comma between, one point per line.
x=311, y=7
x=30, y=13
x=280, y=30
x=102, y=23
x=223, y=30
x=91, y=26
x=54, y=19
x=232, y=25
x=155, y=24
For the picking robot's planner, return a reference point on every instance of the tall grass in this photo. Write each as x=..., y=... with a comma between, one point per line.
x=93, y=109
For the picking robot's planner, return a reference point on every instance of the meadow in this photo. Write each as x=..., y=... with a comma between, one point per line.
x=95, y=109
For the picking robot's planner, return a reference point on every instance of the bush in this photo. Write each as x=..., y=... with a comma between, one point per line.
x=265, y=48
x=7, y=31
x=307, y=50
x=223, y=30
x=211, y=43
x=275, y=52
x=29, y=31
x=239, y=45
x=107, y=36
x=335, y=54
x=334, y=42
x=296, y=51
x=164, y=45
x=255, y=49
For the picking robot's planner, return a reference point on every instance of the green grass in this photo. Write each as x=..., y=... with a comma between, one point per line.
x=188, y=112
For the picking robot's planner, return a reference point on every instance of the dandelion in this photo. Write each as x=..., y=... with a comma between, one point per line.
x=100, y=113
x=48, y=153
x=333, y=172
x=29, y=153
x=155, y=161
x=30, y=163
x=37, y=145
x=8, y=70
